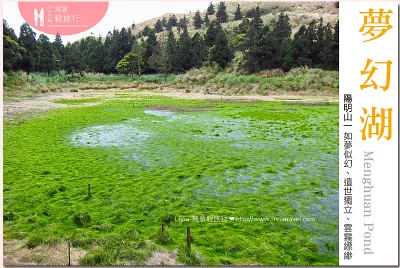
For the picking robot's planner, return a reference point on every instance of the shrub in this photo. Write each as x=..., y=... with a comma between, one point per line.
x=51, y=192
x=163, y=238
x=34, y=241
x=81, y=239
x=47, y=210
x=104, y=227
x=272, y=73
x=119, y=216
x=148, y=86
x=131, y=254
x=189, y=256
x=9, y=216
x=300, y=71
x=98, y=257
x=82, y=219
x=62, y=188
x=168, y=218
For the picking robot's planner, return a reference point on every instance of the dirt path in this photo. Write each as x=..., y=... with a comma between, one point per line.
x=34, y=105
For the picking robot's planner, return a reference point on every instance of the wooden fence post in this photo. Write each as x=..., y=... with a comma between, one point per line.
x=69, y=252
x=188, y=237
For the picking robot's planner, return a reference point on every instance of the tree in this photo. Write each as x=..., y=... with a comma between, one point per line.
x=118, y=46
x=131, y=39
x=243, y=27
x=255, y=44
x=282, y=31
x=131, y=63
x=12, y=53
x=335, y=47
x=107, y=65
x=238, y=13
x=133, y=25
x=239, y=43
x=325, y=54
x=59, y=52
x=160, y=60
x=197, y=20
x=145, y=31
x=137, y=49
x=182, y=24
x=312, y=43
x=206, y=20
x=124, y=44
x=8, y=31
x=172, y=22
x=185, y=47
x=27, y=39
x=84, y=47
x=221, y=53
x=172, y=48
x=98, y=56
x=158, y=27
x=210, y=9
x=221, y=15
x=211, y=34
x=250, y=13
x=287, y=54
x=164, y=22
x=198, y=51
x=148, y=49
x=46, y=58
x=73, y=58
x=301, y=48
x=282, y=28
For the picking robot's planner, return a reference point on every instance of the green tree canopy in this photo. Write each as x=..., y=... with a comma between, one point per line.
x=172, y=22
x=131, y=63
x=210, y=9
x=12, y=53
x=238, y=13
x=160, y=60
x=158, y=27
x=46, y=61
x=197, y=20
x=206, y=20
x=148, y=49
x=27, y=39
x=222, y=15
x=221, y=53
x=73, y=58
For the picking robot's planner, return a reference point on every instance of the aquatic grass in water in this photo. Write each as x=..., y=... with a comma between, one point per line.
x=192, y=159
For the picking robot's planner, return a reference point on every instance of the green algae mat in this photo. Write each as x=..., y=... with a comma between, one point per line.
x=257, y=182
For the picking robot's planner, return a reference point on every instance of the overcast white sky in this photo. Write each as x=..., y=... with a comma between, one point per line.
x=119, y=14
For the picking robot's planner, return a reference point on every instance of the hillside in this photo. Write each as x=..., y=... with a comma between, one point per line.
x=299, y=13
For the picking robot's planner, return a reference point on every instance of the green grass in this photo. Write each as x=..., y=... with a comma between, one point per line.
x=77, y=101
x=199, y=159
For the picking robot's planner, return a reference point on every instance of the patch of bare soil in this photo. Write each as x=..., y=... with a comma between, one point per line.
x=42, y=103
x=163, y=259
x=15, y=254
x=35, y=105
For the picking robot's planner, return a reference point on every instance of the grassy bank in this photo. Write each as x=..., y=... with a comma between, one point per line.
x=313, y=81
x=183, y=162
